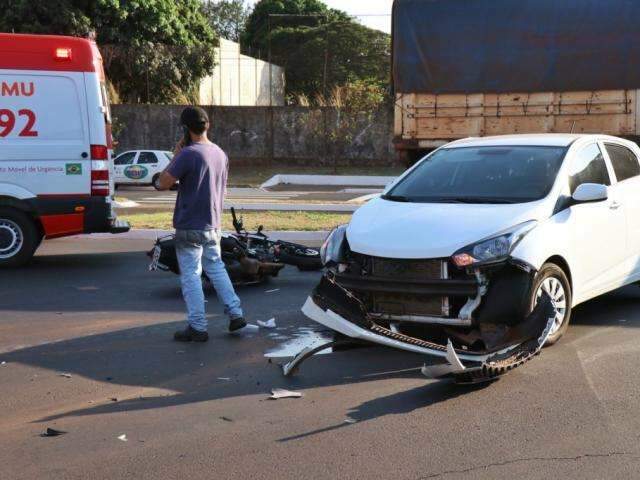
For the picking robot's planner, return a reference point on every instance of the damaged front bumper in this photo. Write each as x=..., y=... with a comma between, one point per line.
x=471, y=324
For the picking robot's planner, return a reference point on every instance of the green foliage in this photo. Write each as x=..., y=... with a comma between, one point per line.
x=320, y=48
x=227, y=17
x=155, y=51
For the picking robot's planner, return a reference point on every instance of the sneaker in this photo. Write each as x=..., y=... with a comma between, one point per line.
x=190, y=335
x=237, y=324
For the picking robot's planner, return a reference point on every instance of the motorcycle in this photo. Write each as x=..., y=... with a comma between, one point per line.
x=250, y=258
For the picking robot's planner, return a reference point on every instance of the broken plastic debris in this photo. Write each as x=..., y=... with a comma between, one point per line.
x=350, y=420
x=273, y=291
x=248, y=329
x=123, y=437
x=278, y=393
x=271, y=323
x=65, y=375
x=52, y=432
x=226, y=419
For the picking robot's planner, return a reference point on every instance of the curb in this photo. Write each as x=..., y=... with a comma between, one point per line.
x=334, y=180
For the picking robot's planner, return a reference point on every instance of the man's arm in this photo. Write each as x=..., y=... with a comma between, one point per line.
x=166, y=180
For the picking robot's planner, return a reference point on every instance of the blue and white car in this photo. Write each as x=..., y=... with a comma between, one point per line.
x=140, y=167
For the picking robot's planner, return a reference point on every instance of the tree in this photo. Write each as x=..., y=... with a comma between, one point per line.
x=227, y=17
x=154, y=50
x=320, y=48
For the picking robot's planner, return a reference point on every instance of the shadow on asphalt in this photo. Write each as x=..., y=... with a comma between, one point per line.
x=146, y=357
x=399, y=403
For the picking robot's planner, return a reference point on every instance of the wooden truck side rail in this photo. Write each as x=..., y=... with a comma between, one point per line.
x=427, y=121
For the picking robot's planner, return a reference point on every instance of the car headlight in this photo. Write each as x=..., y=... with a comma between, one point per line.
x=493, y=249
x=332, y=249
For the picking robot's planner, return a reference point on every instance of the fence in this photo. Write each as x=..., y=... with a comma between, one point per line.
x=263, y=135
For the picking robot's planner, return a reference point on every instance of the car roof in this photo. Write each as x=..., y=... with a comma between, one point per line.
x=542, y=139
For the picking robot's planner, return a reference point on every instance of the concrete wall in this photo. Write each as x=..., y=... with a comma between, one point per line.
x=239, y=80
x=257, y=135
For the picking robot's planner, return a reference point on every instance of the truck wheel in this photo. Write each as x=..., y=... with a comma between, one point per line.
x=156, y=181
x=552, y=280
x=19, y=237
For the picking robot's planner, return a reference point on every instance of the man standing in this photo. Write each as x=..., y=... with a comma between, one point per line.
x=201, y=167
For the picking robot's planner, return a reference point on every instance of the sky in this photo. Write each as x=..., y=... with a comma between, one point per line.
x=372, y=13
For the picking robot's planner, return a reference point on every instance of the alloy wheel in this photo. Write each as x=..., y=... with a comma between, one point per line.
x=553, y=287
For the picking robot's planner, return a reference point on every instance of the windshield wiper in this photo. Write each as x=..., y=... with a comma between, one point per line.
x=476, y=200
x=395, y=198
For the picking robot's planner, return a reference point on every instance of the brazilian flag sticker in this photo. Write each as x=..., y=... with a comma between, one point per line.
x=74, y=169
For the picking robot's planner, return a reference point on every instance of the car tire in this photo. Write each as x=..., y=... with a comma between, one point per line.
x=155, y=181
x=19, y=237
x=552, y=279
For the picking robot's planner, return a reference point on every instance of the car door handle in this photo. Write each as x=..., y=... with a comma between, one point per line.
x=615, y=206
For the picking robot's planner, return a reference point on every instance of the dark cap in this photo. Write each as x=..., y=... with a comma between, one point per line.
x=194, y=118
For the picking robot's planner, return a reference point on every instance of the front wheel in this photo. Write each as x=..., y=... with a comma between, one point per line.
x=156, y=181
x=552, y=280
x=19, y=237
x=305, y=258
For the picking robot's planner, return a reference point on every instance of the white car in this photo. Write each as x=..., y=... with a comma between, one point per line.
x=453, y=258
x=141, y=167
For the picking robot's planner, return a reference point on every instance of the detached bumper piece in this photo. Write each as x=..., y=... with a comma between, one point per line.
x=469, y=353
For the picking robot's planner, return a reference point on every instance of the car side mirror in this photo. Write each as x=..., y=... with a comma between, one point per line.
x=591, y=192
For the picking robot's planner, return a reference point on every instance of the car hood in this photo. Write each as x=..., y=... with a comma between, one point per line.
x=388, y=229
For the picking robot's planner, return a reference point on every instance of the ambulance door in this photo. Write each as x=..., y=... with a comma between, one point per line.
x=44, y=139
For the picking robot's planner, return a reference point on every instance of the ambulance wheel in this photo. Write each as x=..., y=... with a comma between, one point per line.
x=19, y=237
x=156, y=181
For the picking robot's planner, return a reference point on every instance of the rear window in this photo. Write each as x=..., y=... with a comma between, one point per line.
x=147, y=157
x=505, y=174
x=624, y=161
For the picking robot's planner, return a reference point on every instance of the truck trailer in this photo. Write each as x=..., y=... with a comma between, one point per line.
x=473, y=68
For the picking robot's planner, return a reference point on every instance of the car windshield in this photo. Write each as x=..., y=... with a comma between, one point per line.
x=511, y=174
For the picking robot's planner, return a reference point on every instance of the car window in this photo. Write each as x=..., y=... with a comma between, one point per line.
x=147, y=157
x=588, y=166
x=125, y=158
x=492, y=174
x=624, y=161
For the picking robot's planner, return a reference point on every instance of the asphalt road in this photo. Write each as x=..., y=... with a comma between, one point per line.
x=89, y=308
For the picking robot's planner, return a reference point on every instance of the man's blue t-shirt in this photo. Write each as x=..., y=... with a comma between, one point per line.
x=202, y=172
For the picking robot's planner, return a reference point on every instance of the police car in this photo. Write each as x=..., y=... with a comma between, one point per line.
x=140, y=167
x=55, y=143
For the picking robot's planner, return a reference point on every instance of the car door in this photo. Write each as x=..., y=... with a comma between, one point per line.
x=626, y=167
x=597, y=230
x=120, y=164
x=147, y=167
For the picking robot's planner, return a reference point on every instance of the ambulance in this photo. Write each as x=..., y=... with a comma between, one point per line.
x=56, y=174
